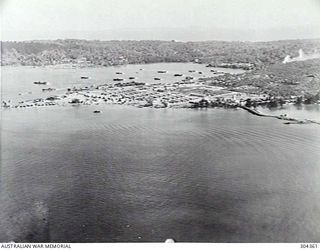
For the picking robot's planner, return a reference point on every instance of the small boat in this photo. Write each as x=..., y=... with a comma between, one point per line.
x=200, y=72
x=189, y=77
x=178, y=75
x=118, y=79
x=157, y=78
x=40, y=83
x=192, y=70
x=48, y=89
x=162, y=71
x=97, y=111
x=132, y=77
x=84, y=77
x=119, y=73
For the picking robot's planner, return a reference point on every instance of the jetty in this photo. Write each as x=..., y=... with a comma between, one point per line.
x=254, y=111
x=288, y=120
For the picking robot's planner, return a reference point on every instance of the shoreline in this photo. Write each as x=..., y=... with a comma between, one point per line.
x=287, y=120
x=79, y=66
x=184, y=90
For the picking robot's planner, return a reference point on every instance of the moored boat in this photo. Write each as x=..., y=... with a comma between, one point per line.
x=118, y=79
x=48, y=89
x=40, y=83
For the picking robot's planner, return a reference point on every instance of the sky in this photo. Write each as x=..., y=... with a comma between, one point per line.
x=185, y=20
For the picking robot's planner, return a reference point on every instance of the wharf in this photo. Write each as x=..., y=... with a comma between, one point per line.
x=280, y=117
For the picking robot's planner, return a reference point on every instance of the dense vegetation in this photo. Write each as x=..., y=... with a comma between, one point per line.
x=270, y=75
x=106, y=53
x=301, y=78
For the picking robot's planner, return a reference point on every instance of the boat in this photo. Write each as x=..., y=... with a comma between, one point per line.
x=192, y=70
x=40, y=83
x=162, y=71
x=119, y=73
x=48, y=89
x=157, y=78
x=132, y=77
x=200, y=72
x=84, y=77
x=97, y=111
x=178, y=75
x=118, y=79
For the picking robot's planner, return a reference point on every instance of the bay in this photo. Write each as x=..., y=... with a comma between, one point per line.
x=145, y=175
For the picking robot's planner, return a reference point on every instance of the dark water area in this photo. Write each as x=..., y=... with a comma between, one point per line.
x=145, y=175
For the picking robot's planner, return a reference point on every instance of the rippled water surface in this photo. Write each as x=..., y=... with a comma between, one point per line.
x=129, y=174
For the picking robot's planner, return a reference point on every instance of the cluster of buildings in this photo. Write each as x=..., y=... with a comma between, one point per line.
x=183, y=94
x=221, y=90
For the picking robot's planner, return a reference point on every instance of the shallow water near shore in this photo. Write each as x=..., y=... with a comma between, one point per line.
x=128, y=174
x=310, y=111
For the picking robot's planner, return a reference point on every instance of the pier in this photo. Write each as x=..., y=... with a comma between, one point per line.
x=280, y=117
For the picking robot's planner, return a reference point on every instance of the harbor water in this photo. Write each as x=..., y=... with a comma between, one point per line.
x=145, y=175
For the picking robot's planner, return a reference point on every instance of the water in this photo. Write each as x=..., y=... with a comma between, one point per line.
x=19, y=80
x=311, y=112
x=129, y=174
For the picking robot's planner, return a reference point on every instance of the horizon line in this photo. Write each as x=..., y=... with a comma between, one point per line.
x=162, y=40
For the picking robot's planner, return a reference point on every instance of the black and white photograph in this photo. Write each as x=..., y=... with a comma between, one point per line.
x=159, y=121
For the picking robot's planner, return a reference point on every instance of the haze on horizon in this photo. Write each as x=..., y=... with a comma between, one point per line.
x=185, y=20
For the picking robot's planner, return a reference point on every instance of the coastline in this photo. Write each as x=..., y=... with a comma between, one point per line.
x=288, y=120
x=198, y=87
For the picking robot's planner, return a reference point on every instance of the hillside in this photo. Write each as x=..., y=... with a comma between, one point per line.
x=301, y=78
x=107, y=53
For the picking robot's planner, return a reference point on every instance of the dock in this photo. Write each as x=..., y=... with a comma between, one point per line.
x=280, y=117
